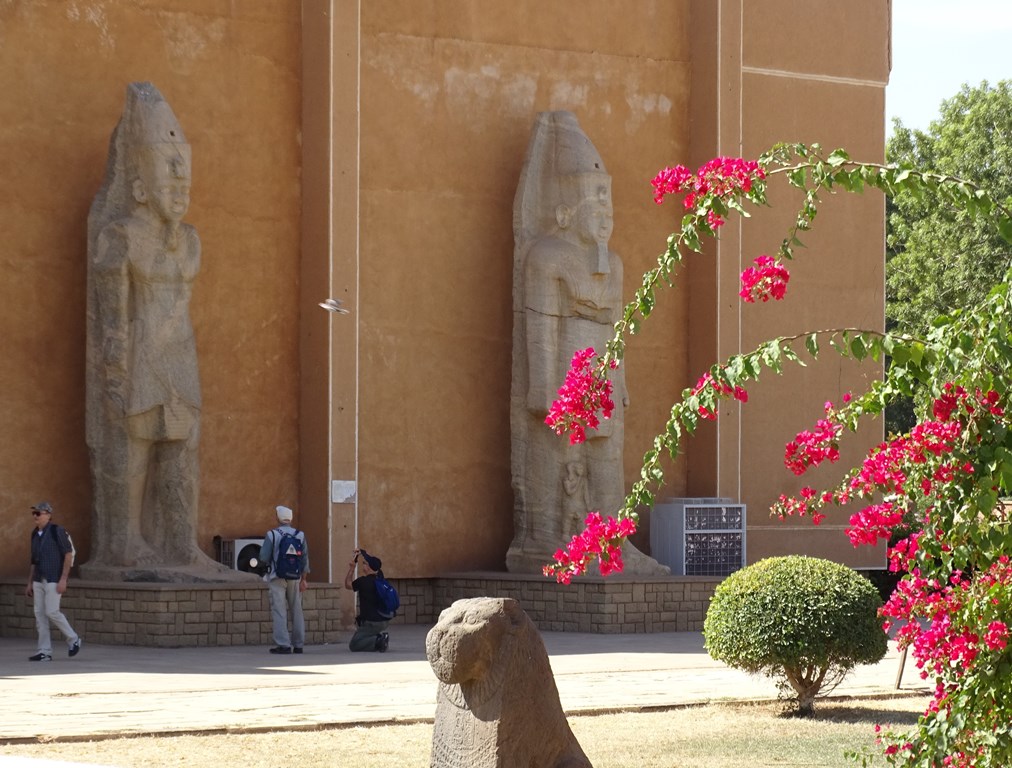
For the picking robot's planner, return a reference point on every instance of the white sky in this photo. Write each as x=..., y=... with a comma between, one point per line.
x=940, y=44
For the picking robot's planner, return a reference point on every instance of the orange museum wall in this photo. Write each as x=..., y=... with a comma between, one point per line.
x=448, y=96
x=231, y=72
x=431, y=115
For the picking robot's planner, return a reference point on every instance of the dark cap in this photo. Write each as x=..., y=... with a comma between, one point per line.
x=374, y=562
x=43, y=506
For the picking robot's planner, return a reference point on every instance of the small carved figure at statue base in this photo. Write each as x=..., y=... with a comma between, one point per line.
x=143, y=393
x=497, y=705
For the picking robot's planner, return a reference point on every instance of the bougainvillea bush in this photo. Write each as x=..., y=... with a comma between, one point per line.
x=803, y=621
x=948, y=480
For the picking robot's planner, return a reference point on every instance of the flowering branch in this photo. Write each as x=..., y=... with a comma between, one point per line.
x=939, y=493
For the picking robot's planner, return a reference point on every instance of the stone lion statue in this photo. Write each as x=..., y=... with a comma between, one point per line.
x=497, y=705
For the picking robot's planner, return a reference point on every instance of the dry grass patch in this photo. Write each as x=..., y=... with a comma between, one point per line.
x=716, y=736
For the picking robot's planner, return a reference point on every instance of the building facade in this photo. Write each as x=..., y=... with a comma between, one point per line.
x=369, y=150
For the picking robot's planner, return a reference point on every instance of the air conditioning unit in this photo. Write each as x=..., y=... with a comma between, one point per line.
x=237, y=553
x=698, y=536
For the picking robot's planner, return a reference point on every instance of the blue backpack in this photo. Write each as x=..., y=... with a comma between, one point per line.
x=389, y=600
x=288, y=556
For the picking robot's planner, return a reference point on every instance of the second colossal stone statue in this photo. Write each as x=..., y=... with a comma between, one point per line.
x=143, y=393
x=567, y=296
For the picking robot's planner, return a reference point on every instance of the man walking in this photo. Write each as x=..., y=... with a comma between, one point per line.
x=287, y=557
x=52, y=556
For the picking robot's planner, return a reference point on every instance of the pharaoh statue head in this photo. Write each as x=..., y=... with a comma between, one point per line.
x=583, y=210
x=158, y=159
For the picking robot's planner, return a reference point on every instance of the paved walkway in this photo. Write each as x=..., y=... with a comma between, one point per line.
x=115, y=690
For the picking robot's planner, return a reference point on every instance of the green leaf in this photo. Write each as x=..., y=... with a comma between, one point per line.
x=837, y=158
x=1005, y=229
x=647, y=302
x=797, y=178
x=858, y=348
x=812, y=344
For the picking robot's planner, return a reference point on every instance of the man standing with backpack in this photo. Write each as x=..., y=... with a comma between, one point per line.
x=52, y=556
x=377, y=603
x=286, y=555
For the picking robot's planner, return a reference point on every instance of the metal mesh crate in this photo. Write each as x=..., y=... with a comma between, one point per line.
x=698, y=537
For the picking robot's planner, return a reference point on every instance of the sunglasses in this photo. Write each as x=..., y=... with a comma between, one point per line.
x=36, y=513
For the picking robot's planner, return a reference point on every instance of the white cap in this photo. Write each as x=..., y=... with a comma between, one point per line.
x=284, y=514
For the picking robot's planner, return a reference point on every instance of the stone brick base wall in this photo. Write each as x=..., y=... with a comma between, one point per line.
x=175, y=615
x=617, y=604
x=171, y=615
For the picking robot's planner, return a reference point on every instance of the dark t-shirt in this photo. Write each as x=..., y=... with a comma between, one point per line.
x=368, y=600
x=48, y=552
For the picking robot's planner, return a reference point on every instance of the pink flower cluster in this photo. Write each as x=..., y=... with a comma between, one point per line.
x=956, y=623
x=766, y=280
x=957, y=633
x=873, y=523
x=996, y=637
x=585, y=392
x=720, y=177
x=903, y=555
x=811, y=448
x=884, y=468
x=954, y=397
x=722, y=389
x=800, y=507
x=601, y=538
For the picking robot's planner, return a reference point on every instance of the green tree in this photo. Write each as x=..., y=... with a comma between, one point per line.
x=942, y=257
x=802, y=621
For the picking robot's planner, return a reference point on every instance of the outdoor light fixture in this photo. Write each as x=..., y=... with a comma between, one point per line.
x=334, y=305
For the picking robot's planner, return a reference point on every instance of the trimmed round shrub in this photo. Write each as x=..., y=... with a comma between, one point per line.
x=803, y=621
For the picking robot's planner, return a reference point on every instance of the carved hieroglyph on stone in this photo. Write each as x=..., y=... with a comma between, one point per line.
x=497, y=705
x=567, y=296
x=143, y=394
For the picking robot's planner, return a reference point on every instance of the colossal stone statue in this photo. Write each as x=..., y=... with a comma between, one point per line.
x=497, y=705
x=143, y=393
x=567, y=296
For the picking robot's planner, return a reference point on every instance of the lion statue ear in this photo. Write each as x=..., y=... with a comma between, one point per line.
x=514, y=612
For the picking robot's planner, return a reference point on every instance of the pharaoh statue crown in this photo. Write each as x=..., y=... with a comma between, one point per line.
x=153, y=134
x=578, y=166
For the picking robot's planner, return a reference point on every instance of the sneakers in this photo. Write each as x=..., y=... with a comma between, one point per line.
x=296, y=650
x=382, y=642
x=281, y=649
x=72, y=651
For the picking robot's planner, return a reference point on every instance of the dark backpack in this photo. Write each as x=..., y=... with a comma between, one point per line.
x=389, y=600
x=288, y=556
x=56, y=537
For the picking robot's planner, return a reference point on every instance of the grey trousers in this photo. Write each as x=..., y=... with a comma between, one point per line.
x=47, y=611
x=365, y=636
x=285, y=596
